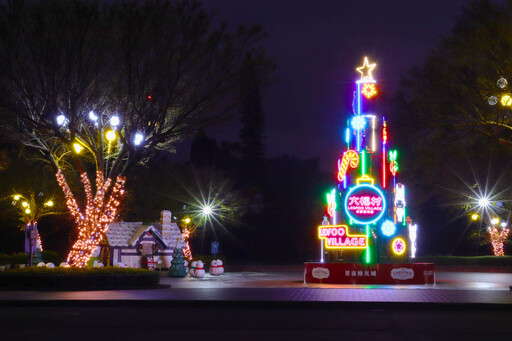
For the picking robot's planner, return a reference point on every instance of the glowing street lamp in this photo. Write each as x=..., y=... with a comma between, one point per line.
x=111, y=135
x=207, y=210
x=483, y=202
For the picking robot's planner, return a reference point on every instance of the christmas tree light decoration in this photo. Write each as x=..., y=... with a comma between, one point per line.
x=495, y=221
x=369, y=90
x=498, y=237
x=187, y=252
x=358, y=122
x=366, y=71
x=398, y=246
x=24, y=204
x=365, y=204
x=16, y=197
x=100, y=211
x=27, y=211
x=502, y=83
x=388, y=228
x=506, y=100
x=350, y=158
x=493, y=100
x=339, y=237
x=331, y=202
x=475, y=216
x=399, y=209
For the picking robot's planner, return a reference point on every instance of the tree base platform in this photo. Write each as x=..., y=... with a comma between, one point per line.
x=355, y=273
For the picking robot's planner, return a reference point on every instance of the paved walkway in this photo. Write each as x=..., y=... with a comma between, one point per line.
x=258, y=287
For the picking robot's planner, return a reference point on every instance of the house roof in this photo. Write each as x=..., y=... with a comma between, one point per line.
x=128, y=233
x=120, y=233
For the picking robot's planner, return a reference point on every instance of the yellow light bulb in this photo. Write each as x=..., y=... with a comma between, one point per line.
x=27, y=211
x=16, y=197
x=24, y=204
x=78, y=148
x=186, y=220
x=506, y=100
x=495, y=221
x=475, y=216
x=111, y=135
x=49, y=203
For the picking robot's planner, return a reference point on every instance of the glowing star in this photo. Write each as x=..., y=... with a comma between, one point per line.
x=366, y=70
x=398, y=246
x=369, y=90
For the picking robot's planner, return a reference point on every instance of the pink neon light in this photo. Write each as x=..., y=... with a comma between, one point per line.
x=350, y=158
x=384, y=139
x=364, y=204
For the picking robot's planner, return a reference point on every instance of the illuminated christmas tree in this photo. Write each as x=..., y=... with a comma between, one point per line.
x=367, y=208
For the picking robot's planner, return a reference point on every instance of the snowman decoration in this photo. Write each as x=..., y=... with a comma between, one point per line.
x=199, y=270
x=214, y=270
x=192, y=268
x=185, y=263
x=220, y=267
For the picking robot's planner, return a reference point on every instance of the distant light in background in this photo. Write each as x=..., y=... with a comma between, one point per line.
x=78, y=148
x=114, y=121
x=93, y=116
x=61, y=120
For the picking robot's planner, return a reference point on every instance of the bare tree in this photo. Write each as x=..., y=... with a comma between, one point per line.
x=108, y=86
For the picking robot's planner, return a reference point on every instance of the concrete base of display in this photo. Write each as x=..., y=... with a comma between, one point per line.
x=354, y=273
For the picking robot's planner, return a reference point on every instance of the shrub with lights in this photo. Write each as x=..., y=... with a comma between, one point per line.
x=367, y=213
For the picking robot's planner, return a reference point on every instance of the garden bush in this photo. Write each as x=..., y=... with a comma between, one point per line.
x=74, y=278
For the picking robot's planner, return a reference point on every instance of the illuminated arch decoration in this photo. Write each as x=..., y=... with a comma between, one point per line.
x=339, y=237
x=350, y=158
x=365, y=204
x=398, y=246
x=388, y=228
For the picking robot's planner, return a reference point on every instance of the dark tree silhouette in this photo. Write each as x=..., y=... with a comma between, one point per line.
x=147, y=73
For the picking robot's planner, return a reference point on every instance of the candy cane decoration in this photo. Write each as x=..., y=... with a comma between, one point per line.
x=350, y=158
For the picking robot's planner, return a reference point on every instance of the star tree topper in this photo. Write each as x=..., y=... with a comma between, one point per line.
x=366, y=71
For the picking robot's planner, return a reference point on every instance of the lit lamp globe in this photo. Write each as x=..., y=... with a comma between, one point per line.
x=111, y=135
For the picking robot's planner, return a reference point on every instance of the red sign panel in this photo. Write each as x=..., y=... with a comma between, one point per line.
x=353, y=273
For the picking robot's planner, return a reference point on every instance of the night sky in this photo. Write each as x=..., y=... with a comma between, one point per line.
x=317, y=46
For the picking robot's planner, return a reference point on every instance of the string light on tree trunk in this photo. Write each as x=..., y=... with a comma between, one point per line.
x=498, y=237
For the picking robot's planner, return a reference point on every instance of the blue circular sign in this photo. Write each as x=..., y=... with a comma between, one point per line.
x=365, y=204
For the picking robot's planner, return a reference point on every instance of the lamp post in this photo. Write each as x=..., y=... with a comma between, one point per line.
x=31, y=211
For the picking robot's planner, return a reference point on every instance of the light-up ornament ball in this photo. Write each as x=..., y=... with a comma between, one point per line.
x=503, y=224
x=24, y=204
x=493, y=100
x=475, y=216
x=369, y=90
x=111, y=135
x=502, y=82
x=92, y=116
x=27, y=211
x=61, y=120
x=506, y=100
x=495, y=221
x=398, y=246
x=358, y=123
x=49, y=203
x=16, y=197
x=388, y=228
